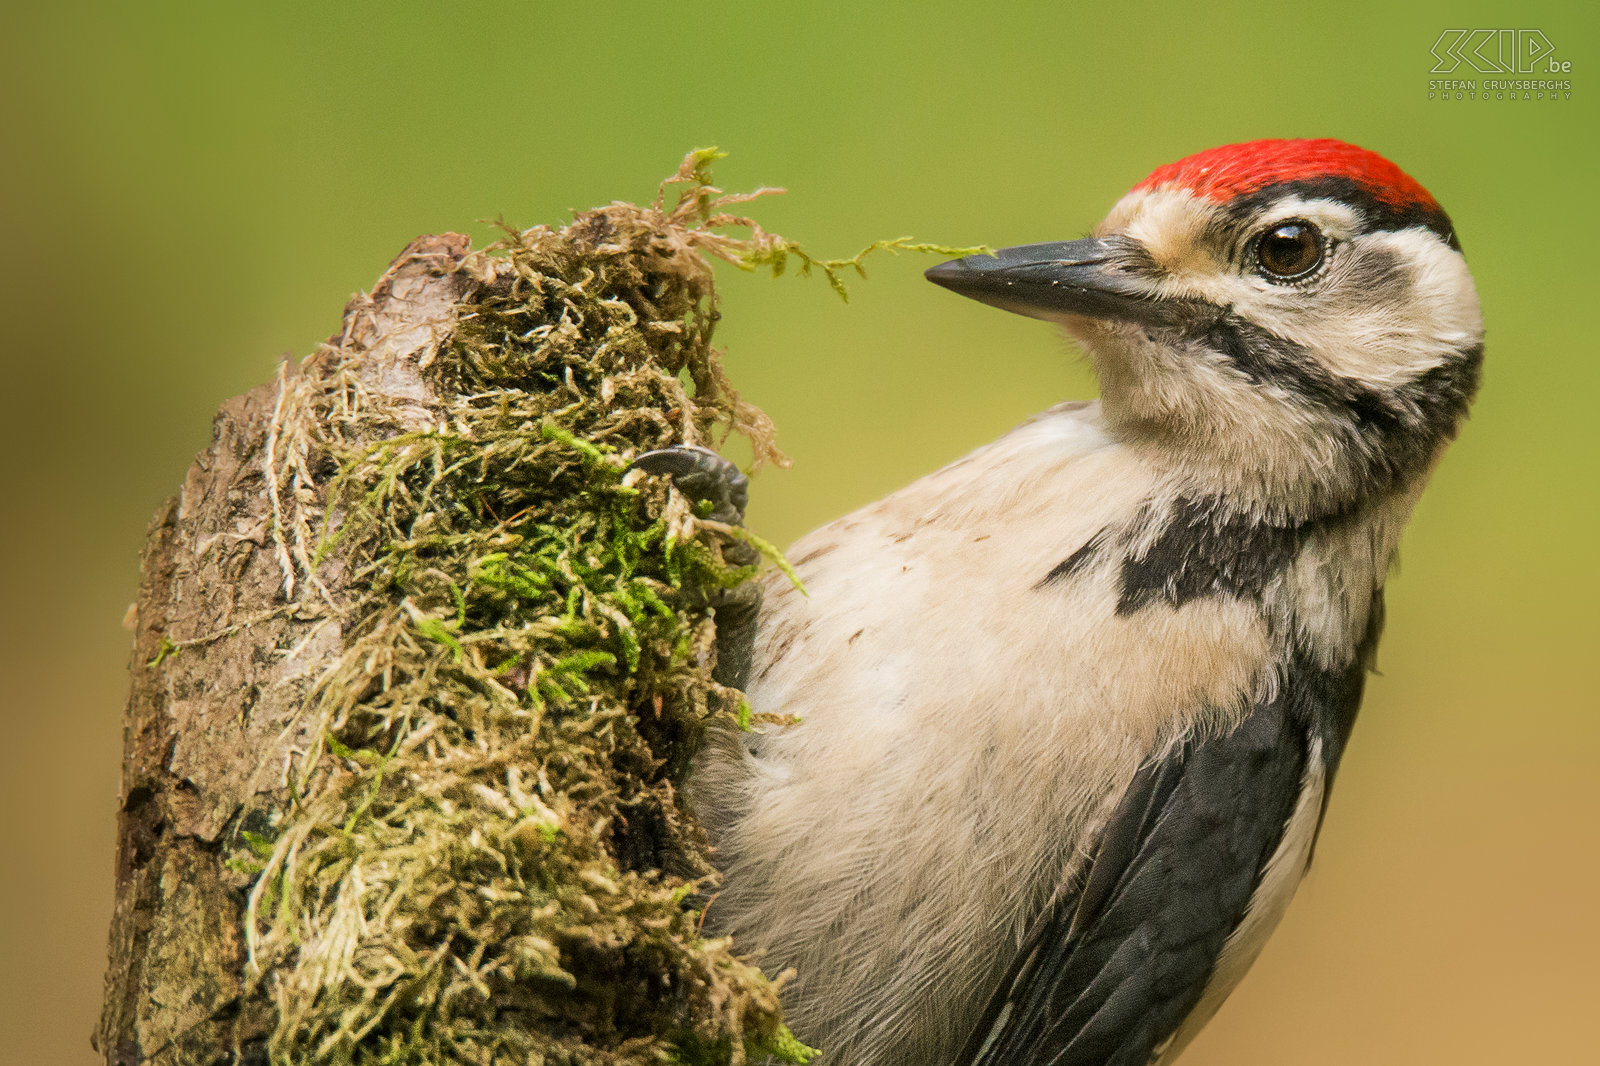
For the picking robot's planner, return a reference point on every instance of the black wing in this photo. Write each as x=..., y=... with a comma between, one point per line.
x=1116, y=962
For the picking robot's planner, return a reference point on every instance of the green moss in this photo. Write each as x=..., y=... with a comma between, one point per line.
x=484, y=859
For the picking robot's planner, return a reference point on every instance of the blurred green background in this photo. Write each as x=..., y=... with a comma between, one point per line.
x=190, y=192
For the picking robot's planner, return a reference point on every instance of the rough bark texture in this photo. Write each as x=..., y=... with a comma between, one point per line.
x=222, y=661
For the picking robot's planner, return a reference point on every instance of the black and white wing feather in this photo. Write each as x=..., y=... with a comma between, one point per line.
x=1117, y=961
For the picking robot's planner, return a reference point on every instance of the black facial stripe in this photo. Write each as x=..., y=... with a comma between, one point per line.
x=1268, y=359
x=1392, y=434
x=1206, y=548
x=1378, y=214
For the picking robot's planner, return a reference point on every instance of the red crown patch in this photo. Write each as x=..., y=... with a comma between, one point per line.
x=1235, y=169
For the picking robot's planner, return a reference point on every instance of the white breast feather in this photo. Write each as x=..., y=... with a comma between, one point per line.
x=952, y=763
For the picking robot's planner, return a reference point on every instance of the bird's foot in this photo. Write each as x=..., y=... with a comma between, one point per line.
x=703, y=475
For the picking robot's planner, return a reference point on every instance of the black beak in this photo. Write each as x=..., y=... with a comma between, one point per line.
x=1093, y=278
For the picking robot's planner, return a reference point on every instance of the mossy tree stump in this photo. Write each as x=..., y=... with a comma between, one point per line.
x=417, y=669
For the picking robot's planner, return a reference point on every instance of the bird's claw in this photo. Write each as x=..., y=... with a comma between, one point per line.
x=701, y=474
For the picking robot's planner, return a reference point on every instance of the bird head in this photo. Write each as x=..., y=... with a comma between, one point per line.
x=1289, y=321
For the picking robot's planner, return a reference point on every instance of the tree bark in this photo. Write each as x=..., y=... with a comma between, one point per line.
x=226, y=648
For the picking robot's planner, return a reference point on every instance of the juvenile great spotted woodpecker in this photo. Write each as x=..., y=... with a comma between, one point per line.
x=1070, y=707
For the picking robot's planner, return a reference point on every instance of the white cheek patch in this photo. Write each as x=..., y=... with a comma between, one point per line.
x=1441, y=284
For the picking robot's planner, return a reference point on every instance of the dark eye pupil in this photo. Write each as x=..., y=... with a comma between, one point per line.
x=1290, y=249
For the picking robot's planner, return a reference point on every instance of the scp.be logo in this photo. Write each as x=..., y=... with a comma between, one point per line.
x=1497, y=52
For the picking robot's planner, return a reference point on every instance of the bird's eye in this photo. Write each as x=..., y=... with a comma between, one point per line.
x=1289, y=250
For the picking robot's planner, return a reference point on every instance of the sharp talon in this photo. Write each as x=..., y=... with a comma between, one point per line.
x=701, y=474
x=676, y=461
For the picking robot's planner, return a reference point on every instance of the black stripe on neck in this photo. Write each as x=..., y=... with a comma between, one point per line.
x=1205, y=549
